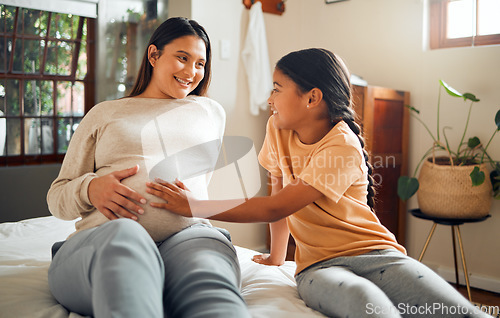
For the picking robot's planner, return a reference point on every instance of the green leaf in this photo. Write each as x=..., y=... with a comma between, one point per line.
x=450, y=90
x=477, y=176
x=470, y=96
x=407, y=187
x=473, y=142
x=413, y=109
x=497, y=119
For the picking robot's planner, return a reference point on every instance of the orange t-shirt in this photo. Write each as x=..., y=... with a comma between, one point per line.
x=340, y=223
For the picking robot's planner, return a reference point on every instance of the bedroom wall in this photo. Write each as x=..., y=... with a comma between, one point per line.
x=23, y=191
x=383, y=42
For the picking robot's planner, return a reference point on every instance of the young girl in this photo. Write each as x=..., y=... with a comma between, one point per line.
x=348, y=263
x=126, y=258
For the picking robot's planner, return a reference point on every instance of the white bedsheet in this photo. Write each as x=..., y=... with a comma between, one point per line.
x=25, y=258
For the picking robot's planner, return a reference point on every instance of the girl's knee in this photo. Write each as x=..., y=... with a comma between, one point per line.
x=342, y=295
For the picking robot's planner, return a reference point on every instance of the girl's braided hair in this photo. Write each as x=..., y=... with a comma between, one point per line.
x=322, y=69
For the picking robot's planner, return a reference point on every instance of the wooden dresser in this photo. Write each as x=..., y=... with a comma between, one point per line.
x=385, y=121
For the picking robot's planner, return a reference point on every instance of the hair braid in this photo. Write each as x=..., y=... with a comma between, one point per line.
x=370, y=198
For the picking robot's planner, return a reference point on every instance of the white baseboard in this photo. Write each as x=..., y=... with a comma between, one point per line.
x=477, y=281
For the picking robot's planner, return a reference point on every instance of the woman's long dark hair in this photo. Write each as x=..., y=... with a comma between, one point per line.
x=320, y=68
x=168, y=31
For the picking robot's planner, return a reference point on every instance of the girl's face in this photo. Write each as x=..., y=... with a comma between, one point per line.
x=178, y=68
x=287, y=104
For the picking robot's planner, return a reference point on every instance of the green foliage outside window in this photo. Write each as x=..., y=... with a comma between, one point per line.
x=36, y=73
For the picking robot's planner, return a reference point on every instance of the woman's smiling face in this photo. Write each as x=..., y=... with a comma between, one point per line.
x=178, y=68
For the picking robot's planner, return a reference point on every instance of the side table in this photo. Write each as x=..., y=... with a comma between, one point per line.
x=455, y=225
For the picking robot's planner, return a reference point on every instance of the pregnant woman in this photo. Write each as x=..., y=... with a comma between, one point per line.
x=127, y=258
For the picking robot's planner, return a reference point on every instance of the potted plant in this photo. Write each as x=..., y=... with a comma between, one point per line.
x=454, y=185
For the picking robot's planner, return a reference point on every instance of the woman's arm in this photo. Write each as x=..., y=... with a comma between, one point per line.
x=67, y=197
x=296, y=195
x=78, y=189
x=279, y=234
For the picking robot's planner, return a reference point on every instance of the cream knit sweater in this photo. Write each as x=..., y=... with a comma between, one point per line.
x=119, y=134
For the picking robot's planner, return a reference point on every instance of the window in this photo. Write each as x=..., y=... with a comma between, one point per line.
x=458, y=23
x=47, y=64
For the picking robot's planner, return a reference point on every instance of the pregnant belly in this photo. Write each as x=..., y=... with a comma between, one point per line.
x=159, y=223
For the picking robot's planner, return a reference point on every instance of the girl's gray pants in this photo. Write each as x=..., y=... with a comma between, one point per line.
x=382, y=283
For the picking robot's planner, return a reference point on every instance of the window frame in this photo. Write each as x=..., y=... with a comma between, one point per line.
x=437, y=28
x=89, y=80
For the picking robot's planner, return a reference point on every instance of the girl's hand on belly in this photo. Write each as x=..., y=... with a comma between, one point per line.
x=108, y=195
x=175, y=196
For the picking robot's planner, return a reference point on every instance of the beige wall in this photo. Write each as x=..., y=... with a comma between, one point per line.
x=381, y=41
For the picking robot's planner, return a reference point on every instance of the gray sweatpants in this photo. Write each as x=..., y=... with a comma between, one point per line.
x=382, y=283
x=116, y=270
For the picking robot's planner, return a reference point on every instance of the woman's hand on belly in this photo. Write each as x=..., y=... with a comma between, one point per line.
x=113, y=199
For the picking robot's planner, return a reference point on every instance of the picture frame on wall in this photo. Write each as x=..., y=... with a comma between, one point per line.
x=333, y=1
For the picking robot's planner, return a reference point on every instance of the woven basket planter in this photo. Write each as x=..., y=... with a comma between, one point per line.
x=446, y=191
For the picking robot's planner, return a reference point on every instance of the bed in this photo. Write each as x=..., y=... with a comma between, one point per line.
x=25, y=258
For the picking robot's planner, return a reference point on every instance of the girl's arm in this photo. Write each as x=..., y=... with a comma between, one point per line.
x=279, y=233
x=296, y=195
